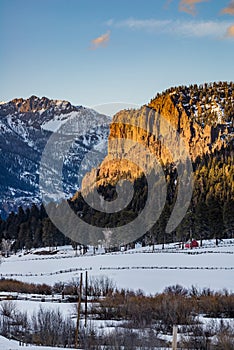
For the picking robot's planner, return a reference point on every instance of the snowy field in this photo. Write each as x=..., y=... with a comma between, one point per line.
x=6, y=344
x=141, y=268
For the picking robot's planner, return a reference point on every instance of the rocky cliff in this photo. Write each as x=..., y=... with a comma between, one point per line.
x=202, y=117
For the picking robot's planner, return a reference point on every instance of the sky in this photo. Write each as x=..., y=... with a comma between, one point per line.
x=95, y=52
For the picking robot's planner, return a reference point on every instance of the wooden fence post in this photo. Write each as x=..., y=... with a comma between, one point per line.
x=174, y=340
x=78, y=312
x=86, y=298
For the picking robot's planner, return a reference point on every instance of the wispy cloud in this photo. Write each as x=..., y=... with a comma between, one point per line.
x=193, y=28
x=230, y=32
x=189, y=6
x=229, y=10
x=100, y=41
x=146, y=24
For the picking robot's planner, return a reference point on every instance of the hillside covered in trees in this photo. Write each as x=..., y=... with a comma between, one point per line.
x=207, y=104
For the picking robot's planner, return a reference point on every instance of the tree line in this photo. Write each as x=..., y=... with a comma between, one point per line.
x=210, y=214
x=30, y=228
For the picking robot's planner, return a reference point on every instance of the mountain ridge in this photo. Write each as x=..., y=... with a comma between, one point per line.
x=210, y=211
x=25, y=127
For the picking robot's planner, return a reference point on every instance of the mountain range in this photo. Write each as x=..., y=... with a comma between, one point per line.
x=25, y=128
x=202, y=116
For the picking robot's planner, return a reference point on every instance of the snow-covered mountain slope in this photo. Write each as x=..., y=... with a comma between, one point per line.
x=25, y=127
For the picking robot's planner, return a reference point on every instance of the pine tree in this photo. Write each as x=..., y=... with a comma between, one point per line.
x=48, y=233
x=215, y=218
x=228, y=218
x=201, y=224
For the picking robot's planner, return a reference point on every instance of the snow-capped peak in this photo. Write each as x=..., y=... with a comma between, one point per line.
x=26, y=125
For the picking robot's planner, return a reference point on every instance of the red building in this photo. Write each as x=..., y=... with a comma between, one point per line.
x=192, y=244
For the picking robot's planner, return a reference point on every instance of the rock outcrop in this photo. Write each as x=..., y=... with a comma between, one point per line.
x=159, y=127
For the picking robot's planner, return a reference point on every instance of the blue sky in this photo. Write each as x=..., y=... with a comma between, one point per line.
x=97, y=51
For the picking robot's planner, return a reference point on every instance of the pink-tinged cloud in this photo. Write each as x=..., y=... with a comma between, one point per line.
x=229, y=10
x=230, y=32
x=189, y=6
x=101, y=41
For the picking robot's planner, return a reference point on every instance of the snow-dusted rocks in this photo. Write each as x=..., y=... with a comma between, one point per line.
x=25, y=127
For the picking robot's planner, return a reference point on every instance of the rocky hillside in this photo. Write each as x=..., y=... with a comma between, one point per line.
x=202, y=115
x=203, y=118
x=207, y=133
x=25, y=127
